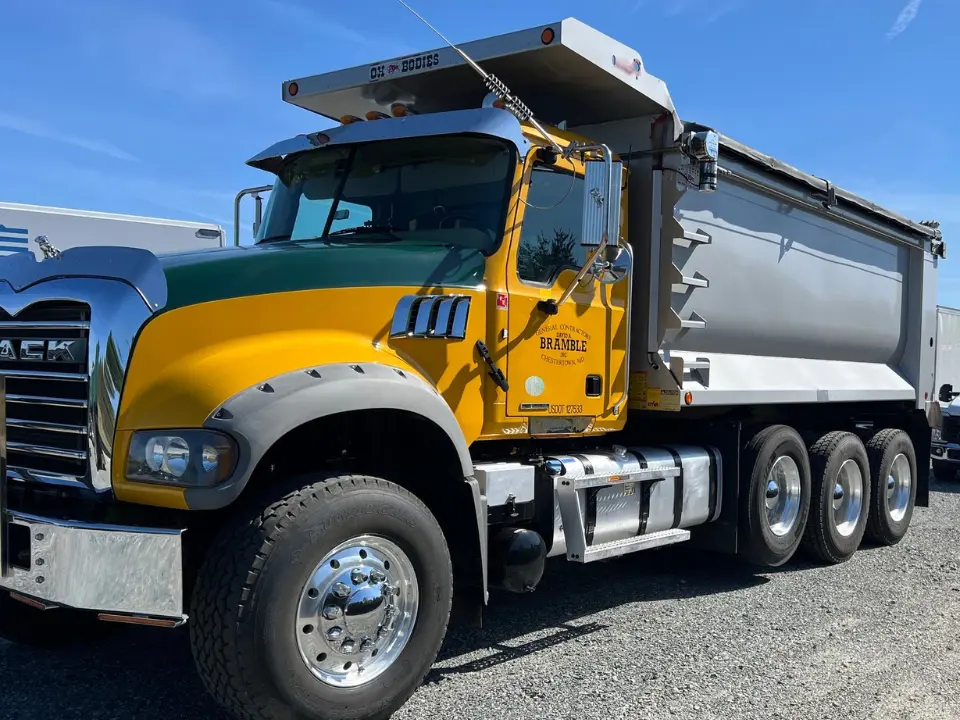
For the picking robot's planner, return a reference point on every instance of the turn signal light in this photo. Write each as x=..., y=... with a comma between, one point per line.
x=347, y=119
x=376, y=115
x=401, y=110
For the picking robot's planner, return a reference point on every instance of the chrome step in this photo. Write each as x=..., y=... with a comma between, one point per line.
x=634, y=544
x=579, y=476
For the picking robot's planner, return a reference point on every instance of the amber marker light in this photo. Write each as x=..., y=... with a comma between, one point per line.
x=547, y=36
x=293, y=89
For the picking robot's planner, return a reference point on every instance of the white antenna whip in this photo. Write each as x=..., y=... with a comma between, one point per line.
x=514, y=104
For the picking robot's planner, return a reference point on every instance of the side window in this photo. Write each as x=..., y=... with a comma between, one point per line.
x=550, y=238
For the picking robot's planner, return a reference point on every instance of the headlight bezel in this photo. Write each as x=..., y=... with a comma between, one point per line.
x=199, y=444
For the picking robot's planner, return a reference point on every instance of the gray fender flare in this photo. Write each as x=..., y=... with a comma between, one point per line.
x=260, y=415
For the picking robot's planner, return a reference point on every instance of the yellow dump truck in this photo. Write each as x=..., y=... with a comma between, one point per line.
x=468, y=338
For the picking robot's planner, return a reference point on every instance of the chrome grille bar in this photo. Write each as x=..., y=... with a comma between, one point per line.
x=42, y=426
x=44, y=450
x=43, y=375
x=45, y=325
x=47, y=401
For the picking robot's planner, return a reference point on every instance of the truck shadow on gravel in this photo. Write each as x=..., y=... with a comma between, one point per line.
x=142, y=673
x=568, y=594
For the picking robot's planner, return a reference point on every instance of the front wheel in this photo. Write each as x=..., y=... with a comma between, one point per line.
x=328, y=604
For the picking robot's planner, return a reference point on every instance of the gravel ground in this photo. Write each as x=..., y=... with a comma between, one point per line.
x=668, y=634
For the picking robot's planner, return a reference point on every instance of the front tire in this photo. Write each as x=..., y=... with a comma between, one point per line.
x=944, y=471
x=330, y=603
x=776, y=501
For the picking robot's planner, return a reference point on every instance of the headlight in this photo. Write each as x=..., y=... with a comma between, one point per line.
x=189, y=458
x=936, y=435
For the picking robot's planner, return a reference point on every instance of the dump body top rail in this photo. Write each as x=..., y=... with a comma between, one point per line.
x=580, y=76
x=830, y=192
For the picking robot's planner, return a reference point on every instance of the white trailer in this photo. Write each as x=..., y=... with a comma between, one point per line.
x=946, y=440
x=65, y=228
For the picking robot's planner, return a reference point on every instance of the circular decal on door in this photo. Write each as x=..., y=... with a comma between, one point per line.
x=534, y=386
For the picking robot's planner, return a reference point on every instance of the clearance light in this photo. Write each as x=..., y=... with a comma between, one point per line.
x=293, y=89
x=401, y=110
x=347, y=119
x=376, y=115
x=546, y=37
x=688, y=398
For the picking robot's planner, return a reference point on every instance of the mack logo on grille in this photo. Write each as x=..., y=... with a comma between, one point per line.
x=73, y=350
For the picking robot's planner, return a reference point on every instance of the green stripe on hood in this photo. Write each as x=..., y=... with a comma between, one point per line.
x=221, y=273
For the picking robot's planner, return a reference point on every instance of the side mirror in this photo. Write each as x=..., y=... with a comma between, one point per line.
x=610, y=271
x=602, y=192
x=947, y=394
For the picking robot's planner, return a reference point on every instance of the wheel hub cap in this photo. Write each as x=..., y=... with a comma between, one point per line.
x=847, y=498
x=782, y=501
x=899, y=483
x=357, y=611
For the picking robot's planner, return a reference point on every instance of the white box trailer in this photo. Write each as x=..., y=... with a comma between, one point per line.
x=945, y=449
x=65, y=228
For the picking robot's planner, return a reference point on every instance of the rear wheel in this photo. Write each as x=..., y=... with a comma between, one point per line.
x=776, y=501
x=329, y=603
x=840, y=497
x=893, y=477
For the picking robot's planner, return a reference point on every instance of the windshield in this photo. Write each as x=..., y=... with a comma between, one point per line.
x=444, y=190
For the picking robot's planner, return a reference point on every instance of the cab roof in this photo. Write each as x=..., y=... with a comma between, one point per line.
x=565, y=72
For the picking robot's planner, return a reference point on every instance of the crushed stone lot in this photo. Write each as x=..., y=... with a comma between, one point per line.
x=665, y=634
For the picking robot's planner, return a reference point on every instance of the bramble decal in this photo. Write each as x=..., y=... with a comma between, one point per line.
x=563, y=344
x=404, y=66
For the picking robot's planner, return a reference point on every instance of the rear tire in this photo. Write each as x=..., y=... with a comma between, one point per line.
x=294, y=597
x=776, y=501
x=840, y=497
x=893, y=477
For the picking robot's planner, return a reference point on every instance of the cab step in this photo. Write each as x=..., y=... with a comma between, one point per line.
x=634, y=544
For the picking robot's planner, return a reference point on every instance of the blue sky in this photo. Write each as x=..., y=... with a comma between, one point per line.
x=152, y=108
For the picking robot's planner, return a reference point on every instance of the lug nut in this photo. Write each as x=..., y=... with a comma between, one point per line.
x=347, y=647
x=358, y=576
x=334, y=633
x=331, y=612
x=341, y=590
x=366, y=644
x=376, y=576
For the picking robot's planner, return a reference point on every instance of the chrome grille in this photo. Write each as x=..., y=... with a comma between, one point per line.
x=47, y=402
x=950, y=430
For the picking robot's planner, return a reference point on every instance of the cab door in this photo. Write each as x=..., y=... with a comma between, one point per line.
x=571, y=364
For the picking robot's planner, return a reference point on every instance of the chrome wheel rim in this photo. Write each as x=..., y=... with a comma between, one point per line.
x=357, y=611
x=899, y=482
x=782, y=495
x=847, y=498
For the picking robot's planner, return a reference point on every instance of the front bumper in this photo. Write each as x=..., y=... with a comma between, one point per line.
x=945, y=452
x=106, y=568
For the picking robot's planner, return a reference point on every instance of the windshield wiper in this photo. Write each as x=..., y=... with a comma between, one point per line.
x=275, y=238
x=386, y=230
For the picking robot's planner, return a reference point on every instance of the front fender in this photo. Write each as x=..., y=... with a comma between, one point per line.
x=262, y=414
